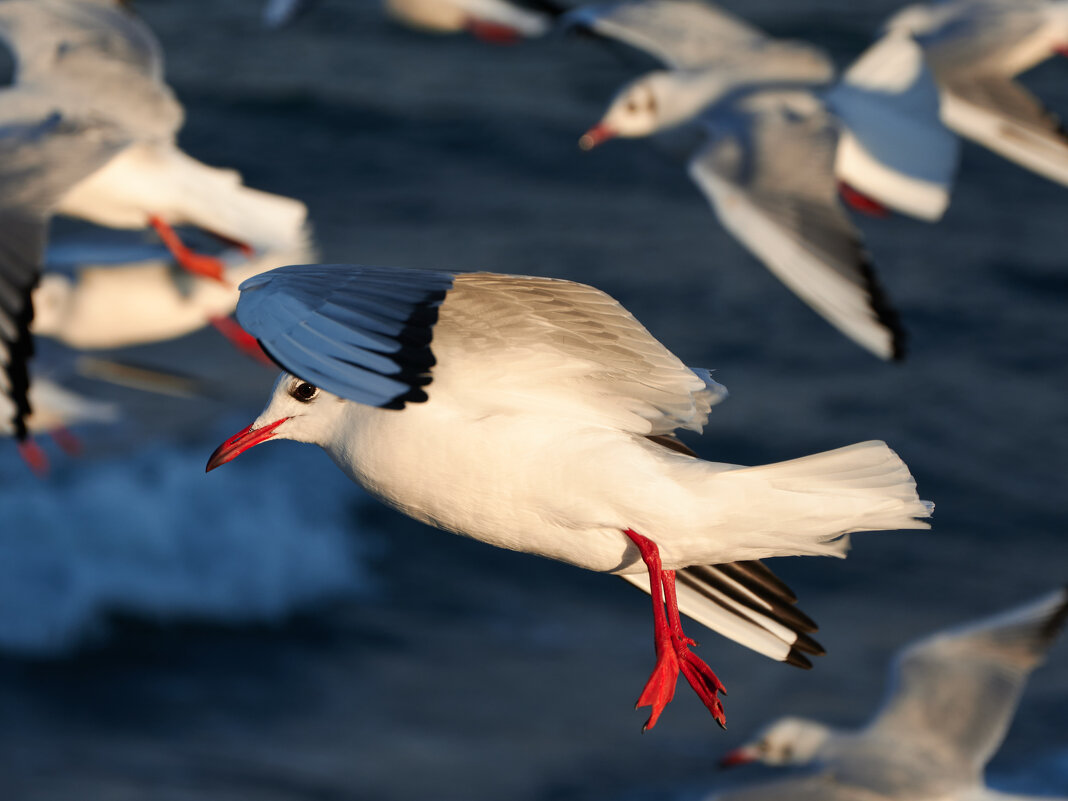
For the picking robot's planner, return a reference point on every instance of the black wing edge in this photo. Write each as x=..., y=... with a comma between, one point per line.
x=739, y=582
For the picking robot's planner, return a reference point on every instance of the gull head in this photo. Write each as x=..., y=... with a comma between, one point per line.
x=633, y=112
x=787, y=741
x=297, y=410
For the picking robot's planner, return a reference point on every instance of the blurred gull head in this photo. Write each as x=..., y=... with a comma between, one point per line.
x=787, y=741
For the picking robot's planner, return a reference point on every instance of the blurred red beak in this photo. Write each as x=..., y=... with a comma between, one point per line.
x=241, y=442
x=597, y=134
x=739, y=756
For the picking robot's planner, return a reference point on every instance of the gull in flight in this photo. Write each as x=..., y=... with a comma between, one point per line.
x=539, y=415
x=776, y=154
x=94, y=57
x=951, y=698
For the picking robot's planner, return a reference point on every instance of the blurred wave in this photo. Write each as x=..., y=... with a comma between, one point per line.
x=116, y=541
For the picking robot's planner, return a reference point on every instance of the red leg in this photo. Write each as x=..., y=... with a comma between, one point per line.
x=241, y=339
x=196, y=263
x=245, y=248
x=861, y=202
x=672, y=645
x=492, y=32
x=34, y=456
x=67, y=440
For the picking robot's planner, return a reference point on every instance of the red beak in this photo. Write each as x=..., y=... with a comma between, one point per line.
x=739, y=756
x=241, y=442
x=596, y=135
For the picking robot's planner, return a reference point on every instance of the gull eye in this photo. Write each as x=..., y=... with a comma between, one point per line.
x=303, y=391
x=632, y=106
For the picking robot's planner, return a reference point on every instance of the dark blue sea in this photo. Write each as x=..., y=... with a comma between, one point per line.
x=269, y=633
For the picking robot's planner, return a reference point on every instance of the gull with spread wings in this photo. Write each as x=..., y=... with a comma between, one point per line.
x=951, y=698
x=538, y=415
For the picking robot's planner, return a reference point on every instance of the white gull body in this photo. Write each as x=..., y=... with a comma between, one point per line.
x=975, y=48
x=544, y=425
x=951, y=698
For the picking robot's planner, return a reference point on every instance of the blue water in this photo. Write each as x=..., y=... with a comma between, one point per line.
x=268, y=632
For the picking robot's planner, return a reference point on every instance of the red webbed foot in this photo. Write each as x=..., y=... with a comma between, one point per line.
x=660, y=688
x=673, y=654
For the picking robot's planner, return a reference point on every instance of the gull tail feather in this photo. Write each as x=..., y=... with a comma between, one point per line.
x=819, y=499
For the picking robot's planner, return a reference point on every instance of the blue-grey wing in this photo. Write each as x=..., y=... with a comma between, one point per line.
x=363, y=333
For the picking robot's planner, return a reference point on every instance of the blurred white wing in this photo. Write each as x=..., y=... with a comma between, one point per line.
x=771, y=182
x=1003, y=116
x=684, y=34
x=954, y=693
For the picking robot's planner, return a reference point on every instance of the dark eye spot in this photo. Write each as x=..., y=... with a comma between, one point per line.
x=303, y=391
x=632, y=106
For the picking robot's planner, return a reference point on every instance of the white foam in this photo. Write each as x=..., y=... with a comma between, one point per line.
x=149, y=533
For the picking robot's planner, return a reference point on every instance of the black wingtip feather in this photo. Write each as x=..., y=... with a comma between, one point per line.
x=809, y=645
x=1057, y=620
x=798, y=659
x=885, y=312
x=755, y=574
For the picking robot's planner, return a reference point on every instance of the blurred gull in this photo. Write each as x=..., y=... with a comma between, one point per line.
x=538, y=415
x=792, y=222
x=711, y=55
x=115, y=306
x=975, y=48
x=95, y=57
x=952, y=697
x=491, y=20
x=43, y=152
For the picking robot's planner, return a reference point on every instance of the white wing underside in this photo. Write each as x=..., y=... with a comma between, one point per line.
x=580, y=355
x=774, y=189
x=1003, y=116
x=157, y=178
